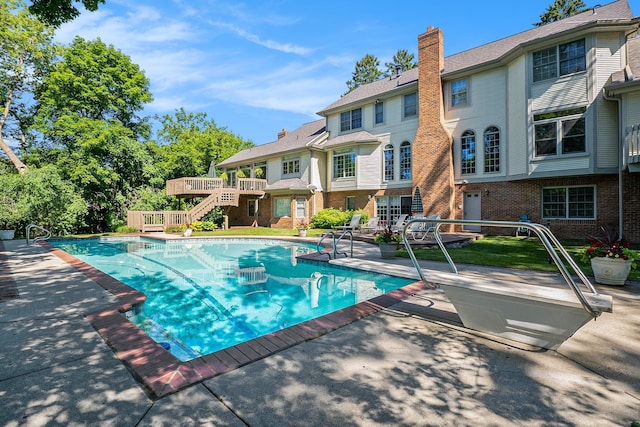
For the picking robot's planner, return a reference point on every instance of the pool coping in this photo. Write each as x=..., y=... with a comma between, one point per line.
x=162, y=374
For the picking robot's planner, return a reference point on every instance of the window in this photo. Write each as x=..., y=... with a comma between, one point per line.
x=389, y=163
x=350, y=203
x=411, y=105
x=351, y=120
x=560, y=60
x=388, y=208
x=281, y=207
x=492, y=149
x=459, y=93
x=344, y=163
x=301, y=207
x=379, y=112
x=260, y=170
x=253, y=208
x=569, y=202
x=405, y=160
x=468, y=152
x=290, y=167
x=560, y=132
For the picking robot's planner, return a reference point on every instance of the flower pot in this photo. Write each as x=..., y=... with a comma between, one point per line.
x=610, y=271
x=7, y=234
x=187, y=232
x=388, y=250
x=302, y=232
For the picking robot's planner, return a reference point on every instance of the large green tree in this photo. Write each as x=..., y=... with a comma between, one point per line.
x=402, y=60
x=561, y=9
x=88, y=117
x=26, y=49
x=189, y=142
x=57, y=12
x=366, y=71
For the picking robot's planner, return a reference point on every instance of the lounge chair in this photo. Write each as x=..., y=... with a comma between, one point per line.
x=420, y=230
x=353, y=225
x=397, y=226
x=371, y=226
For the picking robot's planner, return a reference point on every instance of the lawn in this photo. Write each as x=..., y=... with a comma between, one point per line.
x=510, y=252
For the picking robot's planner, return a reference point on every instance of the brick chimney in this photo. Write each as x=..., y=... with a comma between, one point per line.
x=432, y=156
x=282, y=133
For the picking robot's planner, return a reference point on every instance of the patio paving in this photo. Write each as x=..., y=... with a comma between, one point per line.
x=409, y=364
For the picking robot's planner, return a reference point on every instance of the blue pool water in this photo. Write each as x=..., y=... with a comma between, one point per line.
x=207, y=295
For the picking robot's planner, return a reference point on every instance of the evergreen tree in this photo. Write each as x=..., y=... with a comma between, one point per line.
x=366, y=71
x=561, y=9
x=402, y=60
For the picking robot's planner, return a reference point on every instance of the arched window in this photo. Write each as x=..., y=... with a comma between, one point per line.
x=468, y=152
x=405, y=160
x=491, y=149
x=389, y=162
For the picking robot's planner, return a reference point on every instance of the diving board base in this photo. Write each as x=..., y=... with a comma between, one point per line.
x=536, y=315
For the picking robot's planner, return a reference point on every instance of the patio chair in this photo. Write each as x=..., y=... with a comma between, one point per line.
x=397, y=226
x=524, y=231
x=353, y=225
x=423, y=229
x=371, y=226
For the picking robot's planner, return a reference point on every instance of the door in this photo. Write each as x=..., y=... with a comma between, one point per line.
x=471, y=209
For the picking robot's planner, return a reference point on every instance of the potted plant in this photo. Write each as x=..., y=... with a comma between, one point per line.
x=303, y=226
x=388, y=241
x=9, y=218
x=188, y=230
x=611, y=258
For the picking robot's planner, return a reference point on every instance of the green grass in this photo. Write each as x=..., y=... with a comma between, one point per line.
x=509, y=252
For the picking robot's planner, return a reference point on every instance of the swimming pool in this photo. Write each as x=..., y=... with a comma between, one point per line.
x=204, y=295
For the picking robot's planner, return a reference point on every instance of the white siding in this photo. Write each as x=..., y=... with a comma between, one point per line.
x=632, y=116
x=563, y=92
x=608, y=60
x=555, y=165
x=517, y=155
x=487, y=107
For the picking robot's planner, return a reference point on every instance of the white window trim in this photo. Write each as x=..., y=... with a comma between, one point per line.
x=567, y=217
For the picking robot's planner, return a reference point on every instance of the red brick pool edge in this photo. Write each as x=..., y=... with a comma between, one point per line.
x=161, y=373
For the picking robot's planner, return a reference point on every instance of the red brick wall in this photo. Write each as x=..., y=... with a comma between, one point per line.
x=506, y=201
x=432, y=156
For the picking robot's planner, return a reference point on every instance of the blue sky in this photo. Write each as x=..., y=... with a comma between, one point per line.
x=256, y=67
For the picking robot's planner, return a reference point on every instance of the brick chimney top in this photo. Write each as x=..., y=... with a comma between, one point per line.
x=282, y=133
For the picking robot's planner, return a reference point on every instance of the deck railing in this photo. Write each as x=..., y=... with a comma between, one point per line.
x=633, y=144
x=156, y=221
x=202, y=186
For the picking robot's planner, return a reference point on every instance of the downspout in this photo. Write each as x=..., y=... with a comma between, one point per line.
x=620, y=157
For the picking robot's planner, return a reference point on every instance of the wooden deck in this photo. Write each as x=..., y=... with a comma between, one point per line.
x=216, y=192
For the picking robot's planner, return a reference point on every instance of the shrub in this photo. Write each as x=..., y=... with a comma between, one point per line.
x=126, y=229
x=329, y=218
x=209, y=226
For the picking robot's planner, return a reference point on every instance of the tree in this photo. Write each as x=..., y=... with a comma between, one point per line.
x=26, y=50
x=366, y=71
x=88, y=107
x=561, y=9
x=57, y=12
x=402, y=60
x=190, y=142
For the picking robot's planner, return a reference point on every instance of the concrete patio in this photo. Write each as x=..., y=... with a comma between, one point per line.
x=410, y=364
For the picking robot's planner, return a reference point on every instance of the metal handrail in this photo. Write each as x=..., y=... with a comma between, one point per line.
x=335, y=243
x=324, y=236
x=549, y=241
x=39, y=238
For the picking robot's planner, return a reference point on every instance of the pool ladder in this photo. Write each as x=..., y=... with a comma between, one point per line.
x=28, y=229
x=335, y=243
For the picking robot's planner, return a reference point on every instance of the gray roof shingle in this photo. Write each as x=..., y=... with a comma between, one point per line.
x=294, y=140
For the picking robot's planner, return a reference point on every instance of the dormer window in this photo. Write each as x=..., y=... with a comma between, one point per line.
x=351, y=120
